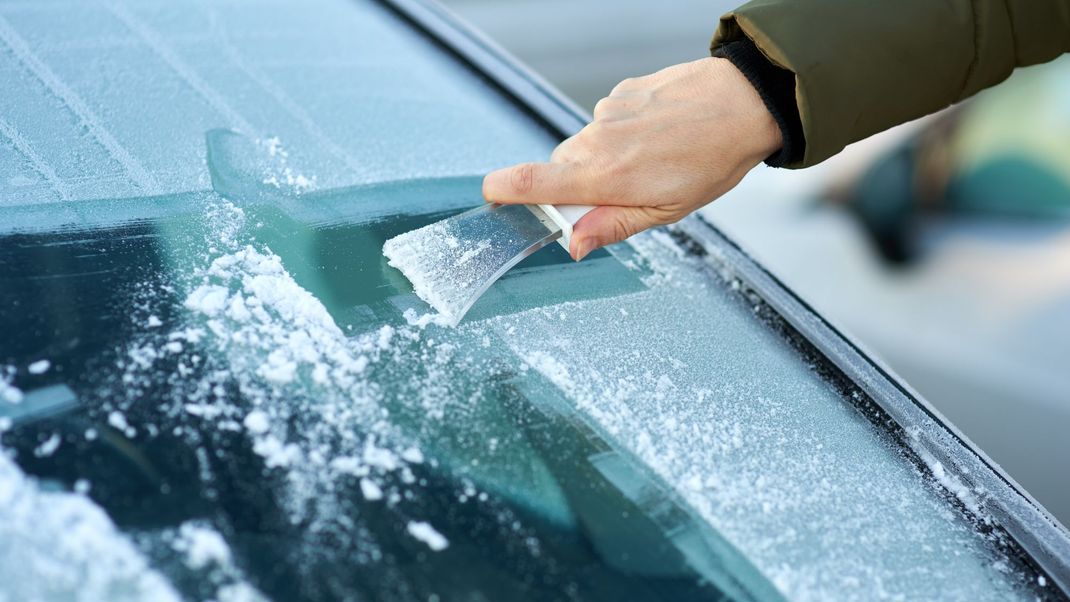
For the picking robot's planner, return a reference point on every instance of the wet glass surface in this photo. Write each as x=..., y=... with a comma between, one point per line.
x=213, y=386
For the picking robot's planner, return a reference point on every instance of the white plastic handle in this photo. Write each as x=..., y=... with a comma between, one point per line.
x=566, y=216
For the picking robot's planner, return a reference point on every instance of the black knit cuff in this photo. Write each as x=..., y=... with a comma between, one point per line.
x=776, y=86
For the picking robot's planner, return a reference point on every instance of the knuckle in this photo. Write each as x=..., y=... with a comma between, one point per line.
x=622, y=228
x=611, y=108
x=564, y=151
x=601, y=107
x=625, y=84
x=522, y=178
x=601, y=133
x=591, y=130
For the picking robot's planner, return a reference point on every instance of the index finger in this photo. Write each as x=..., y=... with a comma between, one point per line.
x=549, y=183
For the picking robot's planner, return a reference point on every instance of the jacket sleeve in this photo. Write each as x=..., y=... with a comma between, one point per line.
x=863, y=66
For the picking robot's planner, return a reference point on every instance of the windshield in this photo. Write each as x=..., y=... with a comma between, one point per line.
x=213, y=386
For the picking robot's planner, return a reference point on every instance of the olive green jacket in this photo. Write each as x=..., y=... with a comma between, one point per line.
x=863, y=66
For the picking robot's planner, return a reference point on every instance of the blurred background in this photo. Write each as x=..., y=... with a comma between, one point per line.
x=943, y=246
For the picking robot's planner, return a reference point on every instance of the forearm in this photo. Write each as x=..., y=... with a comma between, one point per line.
x=863, y=66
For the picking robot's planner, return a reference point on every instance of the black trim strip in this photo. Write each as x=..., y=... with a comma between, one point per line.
x=530, y=91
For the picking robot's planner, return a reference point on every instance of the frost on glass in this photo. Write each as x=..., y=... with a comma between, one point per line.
x=628, y=413
x=213, y=385
x=109, y=100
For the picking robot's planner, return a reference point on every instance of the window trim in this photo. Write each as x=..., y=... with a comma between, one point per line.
x=1039, y=534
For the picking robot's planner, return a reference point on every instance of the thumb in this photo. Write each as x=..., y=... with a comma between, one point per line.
x=552, y=183
x=608, y=224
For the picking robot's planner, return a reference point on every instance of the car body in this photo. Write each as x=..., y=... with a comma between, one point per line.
x=215, y=388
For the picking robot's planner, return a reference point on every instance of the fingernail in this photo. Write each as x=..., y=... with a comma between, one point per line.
x=492, y=184
x=582, y=249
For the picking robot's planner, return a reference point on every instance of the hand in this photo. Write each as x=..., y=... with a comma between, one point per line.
x=660, y=147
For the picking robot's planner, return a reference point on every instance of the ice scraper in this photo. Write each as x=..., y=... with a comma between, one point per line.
x=451, y=263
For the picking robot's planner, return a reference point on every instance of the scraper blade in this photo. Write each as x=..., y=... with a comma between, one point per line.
x=451, y=263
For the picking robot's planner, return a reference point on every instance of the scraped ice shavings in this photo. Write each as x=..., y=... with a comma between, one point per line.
x=202, y=545
x=427, y=534
x=8, y=391
x=430, y=258
x=67, y=548
x=257, y=422
x=48, y=447
x=305, y=400
x=203, y=549
x=279, y=172
x=424, y=320
x=316, y=417
x=450, y=263
x=370, y=490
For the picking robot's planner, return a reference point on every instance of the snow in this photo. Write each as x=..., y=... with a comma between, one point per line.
x=949, y=482
x=117, y=420
x=239, y=592
x=279, y=173
x=8, y=391
x=277, y=454
x=61, y=546
x=450, y=263
x=386, y=333
x=208, y=299
x=422, y=321
x=413, y=455
x=378, y=457
x=257, y=422
x=426, y=533
x=315, y=414
x=39, y=367
x=727, y=416
x=370, y=490
x=424, y=256
x=48, y=446
x=201, y=545
x=473, y=252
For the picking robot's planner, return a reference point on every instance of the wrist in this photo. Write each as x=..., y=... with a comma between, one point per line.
x=760, y=133
x=776, y=87
x=756, y=128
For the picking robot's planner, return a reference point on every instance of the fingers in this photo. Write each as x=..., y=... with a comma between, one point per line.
x=555, y=183
x=610, y=224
